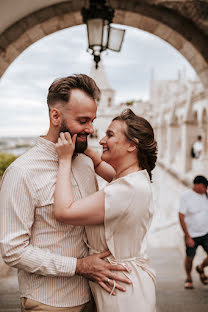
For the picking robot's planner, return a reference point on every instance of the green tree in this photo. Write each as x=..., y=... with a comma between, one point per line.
x=130, y=103
x=5, y=161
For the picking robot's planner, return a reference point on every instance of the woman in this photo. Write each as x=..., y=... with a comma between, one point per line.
x=118, y=217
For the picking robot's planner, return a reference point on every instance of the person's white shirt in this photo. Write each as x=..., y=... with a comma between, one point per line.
x=195, y=208
x=198, y=147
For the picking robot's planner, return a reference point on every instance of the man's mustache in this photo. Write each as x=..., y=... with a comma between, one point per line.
x=81, y=134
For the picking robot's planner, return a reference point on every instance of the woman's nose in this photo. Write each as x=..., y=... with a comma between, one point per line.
x=102, y=141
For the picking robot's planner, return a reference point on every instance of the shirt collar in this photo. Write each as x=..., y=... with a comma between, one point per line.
x=48, y=146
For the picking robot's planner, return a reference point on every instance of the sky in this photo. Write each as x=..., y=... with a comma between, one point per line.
x=24, y=86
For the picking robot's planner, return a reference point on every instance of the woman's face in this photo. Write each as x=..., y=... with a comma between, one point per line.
x=115, y=144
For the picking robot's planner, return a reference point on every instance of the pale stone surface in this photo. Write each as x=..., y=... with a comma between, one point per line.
x=163, y=31
x=67, y=20
x=36, y=33
x=147, y=24
x=51, y=25
x=22, y=42
x=10, y=54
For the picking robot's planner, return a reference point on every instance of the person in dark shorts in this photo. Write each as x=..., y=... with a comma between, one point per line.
x=193, y=216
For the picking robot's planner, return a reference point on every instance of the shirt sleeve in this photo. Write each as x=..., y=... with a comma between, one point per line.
x=17, y=206
x=182, y=205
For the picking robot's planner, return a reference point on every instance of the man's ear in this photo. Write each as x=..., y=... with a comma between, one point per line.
x=56, y=117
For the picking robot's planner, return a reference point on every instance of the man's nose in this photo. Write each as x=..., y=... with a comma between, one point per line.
x=90, y=128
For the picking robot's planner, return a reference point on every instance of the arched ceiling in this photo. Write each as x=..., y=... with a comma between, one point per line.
x=182, y=23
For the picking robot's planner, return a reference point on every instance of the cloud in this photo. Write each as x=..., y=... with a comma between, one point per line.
x=24, y=86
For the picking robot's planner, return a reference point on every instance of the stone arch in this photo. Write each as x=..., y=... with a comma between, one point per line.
x=178, y=31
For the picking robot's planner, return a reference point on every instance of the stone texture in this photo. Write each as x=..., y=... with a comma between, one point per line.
x=67, y=20
x=36, y=33
x=51, y=25
x=198, y=62
x=3, y=43
x=22, y=42
x=77, y=18
x=176, y=40
x=132, y=19
x=147, y=24
x=119, y=17
x=10, y=54
x=204, y=77
x=163, y=31
x=188, y=51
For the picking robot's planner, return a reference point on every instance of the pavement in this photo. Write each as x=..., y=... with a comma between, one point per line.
x=171, y=295
x=9, y=294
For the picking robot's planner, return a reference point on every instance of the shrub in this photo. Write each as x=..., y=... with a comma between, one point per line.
x=5, y=161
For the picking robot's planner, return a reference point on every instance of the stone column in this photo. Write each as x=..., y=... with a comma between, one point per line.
x=159, y=139
x=204, y=128
x=172, y=142
x=188, y=135
x=163, y=142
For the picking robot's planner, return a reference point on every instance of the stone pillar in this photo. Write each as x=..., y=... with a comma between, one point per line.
x=172, y=142
x=205, y=139
x=163, y=142
x=159, y=140
x=188, y=135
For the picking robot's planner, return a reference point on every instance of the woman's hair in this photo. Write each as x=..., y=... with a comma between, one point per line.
x=140, y=132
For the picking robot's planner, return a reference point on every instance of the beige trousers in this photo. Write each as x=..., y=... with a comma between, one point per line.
x=32, y=305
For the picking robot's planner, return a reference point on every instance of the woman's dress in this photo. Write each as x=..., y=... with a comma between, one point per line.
x=128, y=214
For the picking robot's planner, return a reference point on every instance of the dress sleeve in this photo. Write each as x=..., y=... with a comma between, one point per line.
x=118, y=197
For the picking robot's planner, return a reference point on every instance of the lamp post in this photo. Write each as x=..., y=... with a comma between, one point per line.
x=101, y=35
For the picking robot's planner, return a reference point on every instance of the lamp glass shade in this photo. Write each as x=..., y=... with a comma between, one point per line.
x=105, y=34
x=95, y=32
x=115, y=39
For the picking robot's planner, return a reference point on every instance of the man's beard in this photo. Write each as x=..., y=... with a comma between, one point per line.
x=80, y=147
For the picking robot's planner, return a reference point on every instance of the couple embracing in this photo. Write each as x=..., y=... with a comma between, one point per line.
x=68, y=239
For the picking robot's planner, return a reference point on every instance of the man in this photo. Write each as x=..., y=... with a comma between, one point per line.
x=51, y=257
x=193, y=216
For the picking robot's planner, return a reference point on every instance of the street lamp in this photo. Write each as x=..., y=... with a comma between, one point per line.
x=101, y=35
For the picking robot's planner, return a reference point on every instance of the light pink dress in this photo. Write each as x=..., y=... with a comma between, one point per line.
x=128, y=214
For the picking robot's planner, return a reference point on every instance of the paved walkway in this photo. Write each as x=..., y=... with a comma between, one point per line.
x=171, y=296
x=9, y=295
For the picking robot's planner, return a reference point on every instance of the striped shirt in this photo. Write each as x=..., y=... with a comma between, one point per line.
x=42, y=249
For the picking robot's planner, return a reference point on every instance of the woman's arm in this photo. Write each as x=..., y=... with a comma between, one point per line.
x=102, y=168
x=86, y=211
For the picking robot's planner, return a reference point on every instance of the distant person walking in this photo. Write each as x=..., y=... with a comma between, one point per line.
x=197, y=147
x=193, y=216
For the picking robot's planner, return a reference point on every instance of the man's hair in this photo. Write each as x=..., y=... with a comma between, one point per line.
x=200, y=180
x=60, y=89
x=199, y=137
